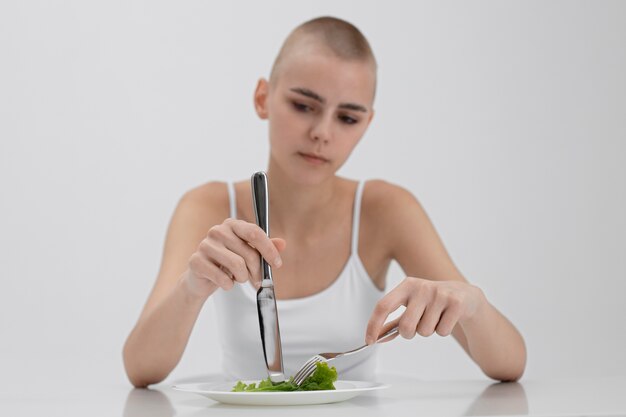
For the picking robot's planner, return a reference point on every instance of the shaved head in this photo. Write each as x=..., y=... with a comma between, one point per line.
x=325, y=35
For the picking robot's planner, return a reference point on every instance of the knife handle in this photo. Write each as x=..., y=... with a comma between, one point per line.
x=260, y=200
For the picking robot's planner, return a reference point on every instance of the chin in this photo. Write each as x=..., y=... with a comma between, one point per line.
x=298, y=171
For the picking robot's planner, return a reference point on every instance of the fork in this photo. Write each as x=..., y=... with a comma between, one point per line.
x=309, y=366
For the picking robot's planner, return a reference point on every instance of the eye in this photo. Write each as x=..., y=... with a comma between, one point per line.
x=347, y=119
x=301, y=107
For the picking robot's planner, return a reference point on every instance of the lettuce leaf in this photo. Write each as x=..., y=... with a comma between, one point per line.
x=321, y=379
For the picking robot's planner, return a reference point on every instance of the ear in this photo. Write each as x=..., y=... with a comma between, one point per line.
x=371, y=116
x=260, y=98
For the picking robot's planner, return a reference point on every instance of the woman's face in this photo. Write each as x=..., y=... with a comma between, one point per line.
x=318, y=108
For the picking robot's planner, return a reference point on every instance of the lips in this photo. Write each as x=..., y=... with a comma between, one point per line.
x=311, y=157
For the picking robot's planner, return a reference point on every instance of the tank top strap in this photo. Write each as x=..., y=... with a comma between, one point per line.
x=232, y=200
x=356, y=217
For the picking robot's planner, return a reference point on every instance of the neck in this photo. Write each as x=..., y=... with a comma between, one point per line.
x=300, y=209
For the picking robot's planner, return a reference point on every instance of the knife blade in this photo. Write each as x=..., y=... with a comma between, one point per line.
x=265, y=298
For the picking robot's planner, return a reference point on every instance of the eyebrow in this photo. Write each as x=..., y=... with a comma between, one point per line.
x=311, y=94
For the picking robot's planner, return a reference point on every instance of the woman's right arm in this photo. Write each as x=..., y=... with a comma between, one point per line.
x=194, y=265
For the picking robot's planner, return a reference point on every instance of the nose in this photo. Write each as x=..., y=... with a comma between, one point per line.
x=321, y=130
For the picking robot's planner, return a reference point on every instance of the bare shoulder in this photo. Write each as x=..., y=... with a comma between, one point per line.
x=198, y=210
x=211, y=194
x=206, y=200
x=401, y=222
x=386, y=209
x=380, y=189
x=389, y=212
x=408, y=232
x=389, y=203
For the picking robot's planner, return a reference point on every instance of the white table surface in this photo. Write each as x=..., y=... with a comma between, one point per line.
x=604, y=396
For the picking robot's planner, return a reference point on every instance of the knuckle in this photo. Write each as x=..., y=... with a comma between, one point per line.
x=437, y=291
x=250, y=257
x=456, y=301
x=194, y=261
x=425, y=287
x=440, y=298
x=242, y=272
x=407, y=330
x=257, y=276
x=221, y=231
x=206, y=247
x=252, y=234
x=436, y=295
x=424, y=330
x=229, y=262
x=230, y=283
x=443, y=331
x=204, y=244
x=253, y=258
x=213, y=232
x=382, y=306
x=227, y=284
x=254, y=265
x=241, y=265
x=411, y=282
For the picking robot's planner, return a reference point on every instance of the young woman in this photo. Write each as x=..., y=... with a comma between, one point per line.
x=332, y=239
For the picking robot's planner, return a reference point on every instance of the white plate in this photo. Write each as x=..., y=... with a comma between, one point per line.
x=220, y=391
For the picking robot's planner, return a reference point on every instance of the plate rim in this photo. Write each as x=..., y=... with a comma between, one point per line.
x=186, y=388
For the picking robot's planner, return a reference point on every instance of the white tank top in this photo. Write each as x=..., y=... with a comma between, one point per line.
x=332, y=320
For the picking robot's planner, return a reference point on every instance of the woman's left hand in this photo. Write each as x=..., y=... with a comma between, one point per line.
x=431, y=306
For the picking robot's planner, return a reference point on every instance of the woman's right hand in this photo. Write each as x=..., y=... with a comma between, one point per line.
x=231, y=252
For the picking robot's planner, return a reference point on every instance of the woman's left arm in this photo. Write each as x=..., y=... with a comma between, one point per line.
x=436, y=295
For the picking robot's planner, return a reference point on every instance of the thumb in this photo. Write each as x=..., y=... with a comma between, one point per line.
x=280, y=244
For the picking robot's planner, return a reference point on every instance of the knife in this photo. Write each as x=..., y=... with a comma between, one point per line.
x=265, y=298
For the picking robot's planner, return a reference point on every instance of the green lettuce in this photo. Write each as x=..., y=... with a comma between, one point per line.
x=321, y=379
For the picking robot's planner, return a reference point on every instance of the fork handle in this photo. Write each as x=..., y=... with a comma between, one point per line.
x=382, y=338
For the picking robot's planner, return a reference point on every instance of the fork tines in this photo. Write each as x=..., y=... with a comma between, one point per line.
x=307, y=369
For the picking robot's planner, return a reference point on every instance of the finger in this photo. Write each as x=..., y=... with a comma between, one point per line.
x=224, y=258
x=251, y=267
x=218, y=276
x=205, y=268
x=449, y=319
x=251, y=257
x=386, y=327
x=253, y=260
x=226, y=271
x=224, y=247
x=281, y=244
x=430, y=319
x=256, y=237
x=385, y=306
x=411, y=317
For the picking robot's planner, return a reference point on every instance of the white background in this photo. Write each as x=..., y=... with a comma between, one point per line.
x=506, y=119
